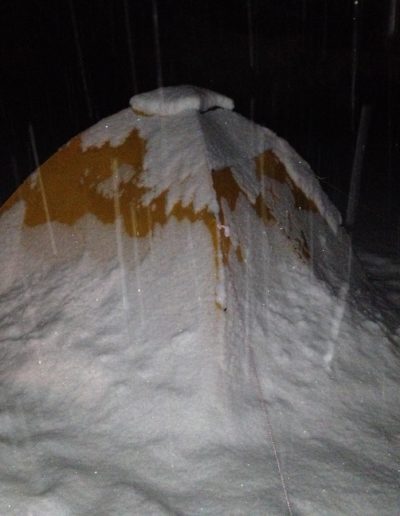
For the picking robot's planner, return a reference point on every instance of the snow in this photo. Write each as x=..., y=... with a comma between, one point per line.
x=177, y=99
x=113, y=130
x=302, y=175
x=384, y=272
x=123, y=174
x=227, y=359
x=198, y=142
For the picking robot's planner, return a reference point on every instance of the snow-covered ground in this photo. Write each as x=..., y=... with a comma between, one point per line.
x=185, y=329
x=378, y=248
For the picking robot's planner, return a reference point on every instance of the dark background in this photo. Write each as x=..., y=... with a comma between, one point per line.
x=304, y=68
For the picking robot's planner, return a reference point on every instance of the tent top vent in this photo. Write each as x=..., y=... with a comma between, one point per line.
x=177, y=99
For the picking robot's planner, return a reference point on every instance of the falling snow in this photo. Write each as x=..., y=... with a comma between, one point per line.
x=239, y=366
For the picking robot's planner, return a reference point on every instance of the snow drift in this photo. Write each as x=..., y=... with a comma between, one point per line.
x=184, y=329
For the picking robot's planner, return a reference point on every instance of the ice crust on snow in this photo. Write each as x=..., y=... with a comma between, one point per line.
x=172, y=100
x=125, y=390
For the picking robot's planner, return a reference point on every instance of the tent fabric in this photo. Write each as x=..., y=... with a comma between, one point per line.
x=184, y=329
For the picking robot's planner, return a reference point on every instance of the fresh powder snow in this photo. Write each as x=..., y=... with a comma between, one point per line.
x=173, y=100
x=185, y=329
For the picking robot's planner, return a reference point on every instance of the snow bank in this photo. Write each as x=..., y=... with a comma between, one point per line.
x=184, y=330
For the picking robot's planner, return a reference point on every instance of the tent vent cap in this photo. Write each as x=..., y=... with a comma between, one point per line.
x=177, y=99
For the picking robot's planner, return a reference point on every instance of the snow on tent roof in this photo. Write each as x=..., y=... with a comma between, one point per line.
x=178, y=329
x=177, y=99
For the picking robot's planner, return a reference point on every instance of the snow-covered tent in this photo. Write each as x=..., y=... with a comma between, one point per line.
x=183, y=329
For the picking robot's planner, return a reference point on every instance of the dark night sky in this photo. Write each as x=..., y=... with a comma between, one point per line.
x=67, y=63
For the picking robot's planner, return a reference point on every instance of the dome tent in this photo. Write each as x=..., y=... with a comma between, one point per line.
x=179, y=334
